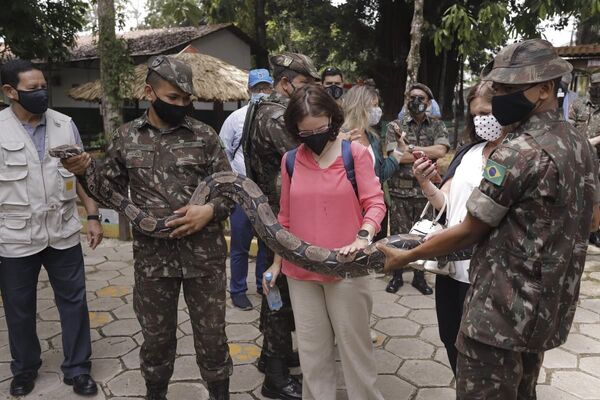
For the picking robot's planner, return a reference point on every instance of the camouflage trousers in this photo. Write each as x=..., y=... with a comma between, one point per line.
x=489, y=373
x=277, y=326
x=404, y=213
x=155, y=304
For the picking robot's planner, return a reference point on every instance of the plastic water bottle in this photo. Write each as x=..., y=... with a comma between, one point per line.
x=274, y=297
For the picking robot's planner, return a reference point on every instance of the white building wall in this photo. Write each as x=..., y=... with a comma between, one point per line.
x=226, y=46
x=65, y=79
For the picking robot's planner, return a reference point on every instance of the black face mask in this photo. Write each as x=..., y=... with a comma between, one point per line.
x=34, y=101
x=170, y=113
x=318, y=141
x=335, y=91
x=511, y=108
x=416, y=106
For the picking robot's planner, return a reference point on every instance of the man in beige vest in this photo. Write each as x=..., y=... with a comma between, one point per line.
x=39, y=225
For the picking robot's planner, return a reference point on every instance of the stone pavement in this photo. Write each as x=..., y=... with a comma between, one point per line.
x=411, y=360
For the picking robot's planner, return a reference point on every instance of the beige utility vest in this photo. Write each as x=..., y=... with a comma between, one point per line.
x=37, y=197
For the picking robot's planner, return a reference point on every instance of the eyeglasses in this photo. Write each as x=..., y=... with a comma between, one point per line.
x=317, y=131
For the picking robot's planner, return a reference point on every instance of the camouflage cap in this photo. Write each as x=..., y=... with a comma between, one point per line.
x=595, y=78
x=296, y=62
x=529, y=61
x=174, y=71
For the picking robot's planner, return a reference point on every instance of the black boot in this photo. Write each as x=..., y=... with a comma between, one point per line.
x=156, y=391
x=218, y=390
x=278, y=383
x=420, y=284
x=395, y=283
x=292, y=361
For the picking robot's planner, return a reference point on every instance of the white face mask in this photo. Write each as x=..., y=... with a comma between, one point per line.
x=257, y=96
x=375, y=115
x=487, y=127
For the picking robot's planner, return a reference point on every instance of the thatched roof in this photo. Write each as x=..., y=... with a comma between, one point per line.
x=214, y=80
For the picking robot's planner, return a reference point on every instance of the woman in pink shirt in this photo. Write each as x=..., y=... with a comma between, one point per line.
x=319, y=205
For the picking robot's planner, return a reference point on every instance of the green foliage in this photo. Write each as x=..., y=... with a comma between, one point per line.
x=43, y=29
x=168, y=13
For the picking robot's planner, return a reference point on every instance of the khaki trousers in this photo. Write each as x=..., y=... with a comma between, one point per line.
x=338, y=311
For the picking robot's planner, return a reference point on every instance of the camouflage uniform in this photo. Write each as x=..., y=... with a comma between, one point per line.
x=537, y=194
x=408, y=200
x=585, y=113
x=161, y=169
x=269, y=140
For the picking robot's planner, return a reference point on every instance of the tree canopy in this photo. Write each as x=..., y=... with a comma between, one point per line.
x=43, y=29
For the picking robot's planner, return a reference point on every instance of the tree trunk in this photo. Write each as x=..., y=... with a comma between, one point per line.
x=262, y=55
x=414, y=55
x=111, y=104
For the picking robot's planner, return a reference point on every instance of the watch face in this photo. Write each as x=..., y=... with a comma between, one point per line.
x=363, y=233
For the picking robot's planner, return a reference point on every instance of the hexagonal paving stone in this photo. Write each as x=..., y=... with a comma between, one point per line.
x=50, y=314
x=590, y=288
x=581, y=344
x=389, y=310
x=237, y=316
x=132, y=359
x=546, y=392
x=585, y=316
x=241, y=332
x=105, y=304
x=591, y=365
x=112, y=347
x=591, y=304
x=436, y=394
x=102, y=275
x=432, y=335
x=114, y=291
x=98, y=319
x=559, y=359
x=114, y=265
x=377, y=284
x=392, y=387
x=245, y=378
x=417, y=302
x=186, y=369
x=123, y=327
x=125, y=311
x=410, y=348
x=91, y=261
x=188, y=391
x=243, y=353
x=386, y=362
x=384, y=298
x=592, y=330
x=46, y=330
x=103, y=370
x=577, y=383
x=129, y=383
x=426, y=373
x=423, y=317
x=185, y=346
x=397, y=327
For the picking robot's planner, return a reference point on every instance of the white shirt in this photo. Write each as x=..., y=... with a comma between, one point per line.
x=467, y=177
x=231, y=135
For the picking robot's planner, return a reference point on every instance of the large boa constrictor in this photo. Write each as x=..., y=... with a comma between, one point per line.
x=246, y=193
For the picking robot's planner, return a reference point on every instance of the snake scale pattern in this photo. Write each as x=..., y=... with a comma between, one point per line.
x=247, y=194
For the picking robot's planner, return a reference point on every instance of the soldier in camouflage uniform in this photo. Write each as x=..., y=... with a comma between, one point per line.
x=585, y=115
x=425, y=134
x=265, y=145
x=160, y=158
x=530, y=217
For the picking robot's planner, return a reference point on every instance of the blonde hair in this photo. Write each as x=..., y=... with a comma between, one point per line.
x=356, y=104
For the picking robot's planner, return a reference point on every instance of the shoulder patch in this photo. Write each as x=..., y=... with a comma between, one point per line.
x=494, y=172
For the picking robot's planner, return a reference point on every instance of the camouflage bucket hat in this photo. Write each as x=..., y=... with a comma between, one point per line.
x=529, y=61
x=174, y=71
x=296, y=62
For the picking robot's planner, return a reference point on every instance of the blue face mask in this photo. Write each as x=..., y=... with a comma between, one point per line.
x=256, y=97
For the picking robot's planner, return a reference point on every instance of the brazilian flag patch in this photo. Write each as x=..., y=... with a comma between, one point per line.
x=494, y=172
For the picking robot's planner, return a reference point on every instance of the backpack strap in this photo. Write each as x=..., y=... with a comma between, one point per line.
x=348, y=160
x=290, y=160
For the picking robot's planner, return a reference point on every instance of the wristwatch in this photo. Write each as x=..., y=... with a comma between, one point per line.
x=411, y=148
x=364, y=235
x=95, y=217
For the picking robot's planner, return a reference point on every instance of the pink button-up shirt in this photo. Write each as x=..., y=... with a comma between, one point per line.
x=320, y=207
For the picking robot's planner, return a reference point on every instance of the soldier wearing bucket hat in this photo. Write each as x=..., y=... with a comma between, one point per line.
x=530, y=218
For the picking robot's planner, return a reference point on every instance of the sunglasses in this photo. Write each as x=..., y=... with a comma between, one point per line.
x=320, y=130
x=420, y=98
